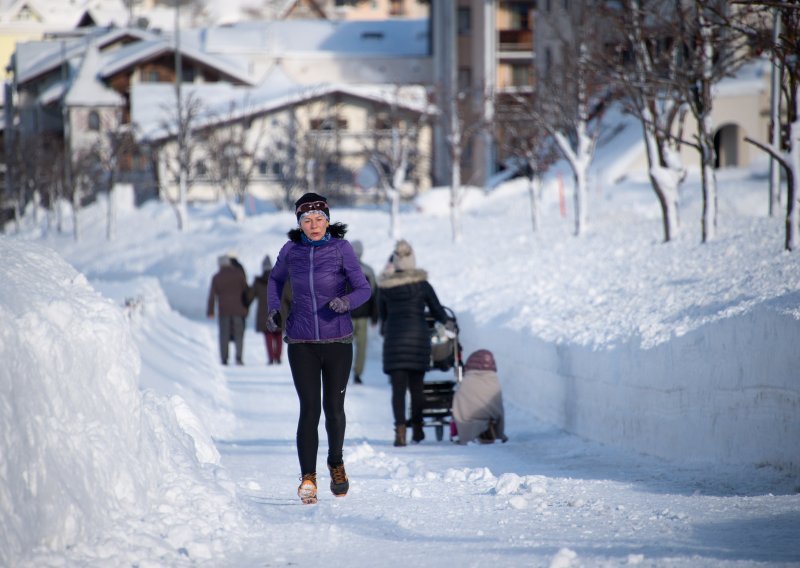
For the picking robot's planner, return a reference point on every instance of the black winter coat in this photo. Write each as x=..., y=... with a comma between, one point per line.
x=402, y=299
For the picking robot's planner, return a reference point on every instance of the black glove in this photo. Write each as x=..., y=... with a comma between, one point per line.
x=340, y=305
x=274, y=321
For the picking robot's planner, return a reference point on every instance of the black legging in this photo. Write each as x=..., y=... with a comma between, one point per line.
x=309, y=362
x=411, y=380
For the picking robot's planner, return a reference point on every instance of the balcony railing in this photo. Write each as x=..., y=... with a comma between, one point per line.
x=516, y=40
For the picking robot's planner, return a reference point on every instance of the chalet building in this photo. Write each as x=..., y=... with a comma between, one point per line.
x=78, y=88
x=287, y=139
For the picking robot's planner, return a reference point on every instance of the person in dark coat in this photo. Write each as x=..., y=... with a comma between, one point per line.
x=478, y=402
x=258, y=291
x=327, y=282
x=228, y=292
x=404, y=294
x=363, y=315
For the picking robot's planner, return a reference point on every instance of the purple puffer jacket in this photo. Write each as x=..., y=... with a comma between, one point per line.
x=317, y=275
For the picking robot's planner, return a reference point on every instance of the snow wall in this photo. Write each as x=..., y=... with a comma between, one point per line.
x=726, y=392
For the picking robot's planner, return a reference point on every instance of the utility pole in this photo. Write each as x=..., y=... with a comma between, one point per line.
x=183, y=135
x=65, y=79
x=775, y=119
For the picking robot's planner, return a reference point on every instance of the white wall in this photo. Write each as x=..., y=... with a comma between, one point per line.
x=728, y=392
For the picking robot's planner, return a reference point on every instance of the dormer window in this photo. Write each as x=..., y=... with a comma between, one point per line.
x=25, y=14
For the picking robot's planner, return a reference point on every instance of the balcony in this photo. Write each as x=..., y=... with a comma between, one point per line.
x=515, y=40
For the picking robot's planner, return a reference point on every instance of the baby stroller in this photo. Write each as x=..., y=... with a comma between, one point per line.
x=437, y=408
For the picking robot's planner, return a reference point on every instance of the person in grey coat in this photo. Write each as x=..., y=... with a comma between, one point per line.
x=363, y=316
x=478, y=402
x=228, y=292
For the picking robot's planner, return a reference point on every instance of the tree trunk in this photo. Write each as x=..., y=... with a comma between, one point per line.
x=792, y=213
x=394, y=214
x=709, y=182
x=180, y=209
x=76, y=203
x=664, y=180
x=455, y=197
x=111, y=212
x=579, y=198
x=534, y=190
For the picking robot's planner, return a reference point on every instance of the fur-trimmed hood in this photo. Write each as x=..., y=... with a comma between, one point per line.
x=401, y=277
x=337, y=231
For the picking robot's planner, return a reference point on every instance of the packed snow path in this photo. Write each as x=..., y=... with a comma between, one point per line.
x=543, y=499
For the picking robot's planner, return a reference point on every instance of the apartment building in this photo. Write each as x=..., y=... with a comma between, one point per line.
x=483, y=51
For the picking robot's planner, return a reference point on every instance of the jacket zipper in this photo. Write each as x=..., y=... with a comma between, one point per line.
x=313, y=293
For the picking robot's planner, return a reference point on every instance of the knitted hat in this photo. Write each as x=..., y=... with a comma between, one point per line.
x=266, y=264
x=358, y=248
x=223, y=260
x=403, y=256
x=312, y=202
x=481, y=360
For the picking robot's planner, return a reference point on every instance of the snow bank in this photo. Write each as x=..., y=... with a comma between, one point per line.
x=87, y=459
x=193, y=373
x=726, y=392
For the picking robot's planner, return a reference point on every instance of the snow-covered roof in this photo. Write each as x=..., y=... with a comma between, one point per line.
x=63, y=14
x=131, y=54
x=150, y=102
x=86, y=89
x=367, y=38
x=35, y=58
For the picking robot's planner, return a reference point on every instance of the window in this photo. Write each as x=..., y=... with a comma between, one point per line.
x=328, y=124
x=464, y=78
x=520, y=17
x=382, y=121
x=151, y=76
x=464, y=21
x=188, y=74
x=94, y=120
x=200, y=168
x=520, y=75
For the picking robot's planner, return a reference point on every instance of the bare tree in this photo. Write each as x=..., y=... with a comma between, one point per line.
x=35, y=166
x=303, y=148
x=232, y=152
x=784, y=48
x=643, y=65
x=523, y=135
x=179, y=122
x=393, y=155
x=86, y=176
x=461, y=122
x=107, y=153
x=571, y=101
x=711, y=49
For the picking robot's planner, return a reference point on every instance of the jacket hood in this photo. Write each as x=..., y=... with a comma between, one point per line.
x=401, y=277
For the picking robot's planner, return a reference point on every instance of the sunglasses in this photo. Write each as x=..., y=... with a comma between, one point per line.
x=311, y=206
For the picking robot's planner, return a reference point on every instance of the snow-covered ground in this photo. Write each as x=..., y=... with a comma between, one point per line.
x=124, y=443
